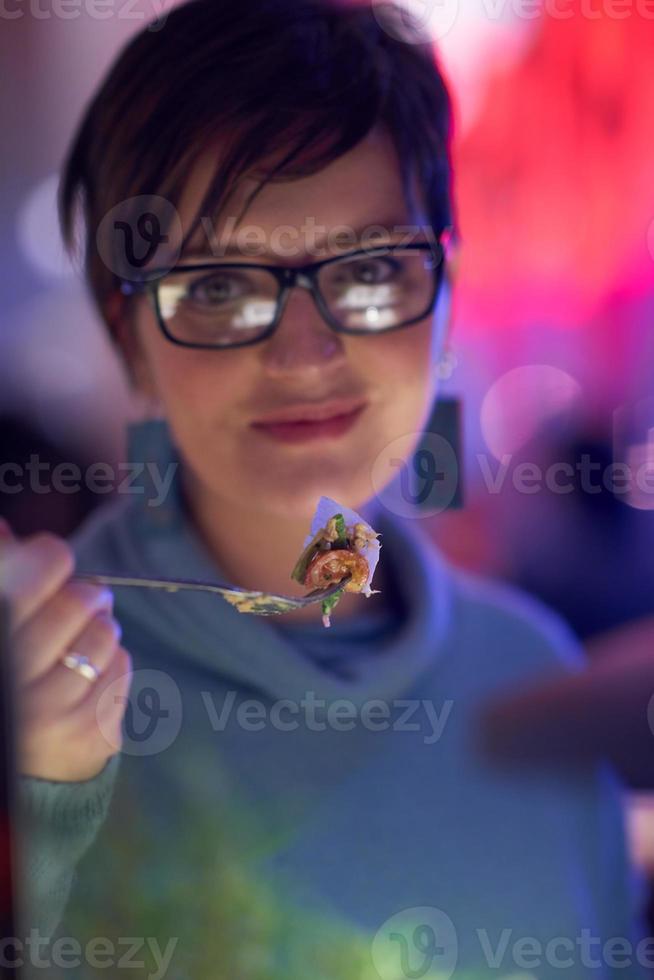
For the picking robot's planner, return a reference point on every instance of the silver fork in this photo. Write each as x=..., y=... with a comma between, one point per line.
x=257, y=603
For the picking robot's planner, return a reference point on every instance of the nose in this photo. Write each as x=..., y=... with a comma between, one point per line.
x=303, y=344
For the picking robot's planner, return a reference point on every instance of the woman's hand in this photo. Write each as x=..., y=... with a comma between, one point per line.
x=66, y=730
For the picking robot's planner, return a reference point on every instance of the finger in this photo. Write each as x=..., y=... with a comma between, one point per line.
x=103, y=708
x=76, y=744
x=98, y=643
x=32, y=571
x=98, y=718
x=62, y=688
x=54, y=629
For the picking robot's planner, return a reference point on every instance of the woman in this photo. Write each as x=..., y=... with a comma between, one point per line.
x=289, y=800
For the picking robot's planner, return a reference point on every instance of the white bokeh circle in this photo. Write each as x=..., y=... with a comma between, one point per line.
x=523, y=400
x=38, y=234
x=414, y=21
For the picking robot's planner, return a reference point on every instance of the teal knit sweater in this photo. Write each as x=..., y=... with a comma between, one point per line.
x=305, y=803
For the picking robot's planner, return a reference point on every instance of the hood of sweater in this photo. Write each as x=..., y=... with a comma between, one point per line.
x=146, y=532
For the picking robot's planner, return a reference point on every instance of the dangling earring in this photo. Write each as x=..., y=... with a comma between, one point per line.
x=447, y=365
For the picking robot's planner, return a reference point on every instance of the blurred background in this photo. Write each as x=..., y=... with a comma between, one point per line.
x=554, y=308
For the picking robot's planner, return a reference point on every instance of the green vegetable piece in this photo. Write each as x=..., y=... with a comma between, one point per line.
x=341, y=541
x=328, y=604
x=300, y=570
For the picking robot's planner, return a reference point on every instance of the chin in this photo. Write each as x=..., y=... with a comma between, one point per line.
x=294, y=496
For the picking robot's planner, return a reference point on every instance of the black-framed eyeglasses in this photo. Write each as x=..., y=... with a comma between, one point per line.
x=217, y=305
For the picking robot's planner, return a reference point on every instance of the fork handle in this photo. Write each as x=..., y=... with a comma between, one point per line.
x=169, y=585
x=173, y=585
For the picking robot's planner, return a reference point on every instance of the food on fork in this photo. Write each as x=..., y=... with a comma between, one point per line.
x=339, y=543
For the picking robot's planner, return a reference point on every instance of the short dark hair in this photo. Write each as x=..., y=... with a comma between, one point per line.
x=301, y=80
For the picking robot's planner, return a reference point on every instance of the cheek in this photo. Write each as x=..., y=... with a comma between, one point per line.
x=403, y=364
x=185, y=380
x=192, y=383
x=200, y=390
x=407, y=352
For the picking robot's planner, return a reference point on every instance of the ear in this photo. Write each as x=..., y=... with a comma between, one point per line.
x=450, y=279
x=443, y=312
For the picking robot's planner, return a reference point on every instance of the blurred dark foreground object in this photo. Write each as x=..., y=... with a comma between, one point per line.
x=604, y=712
x=7, y=780
x=30, y=498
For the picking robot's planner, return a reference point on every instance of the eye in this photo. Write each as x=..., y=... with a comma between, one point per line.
x=218, y=288
x=367, y=271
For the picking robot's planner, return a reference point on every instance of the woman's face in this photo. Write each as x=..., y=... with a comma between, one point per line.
x=212, y=398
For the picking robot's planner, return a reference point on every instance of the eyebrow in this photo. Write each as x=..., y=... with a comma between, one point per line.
x=204, y=251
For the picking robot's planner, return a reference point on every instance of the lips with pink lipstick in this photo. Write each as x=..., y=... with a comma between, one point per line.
x=311, y=420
